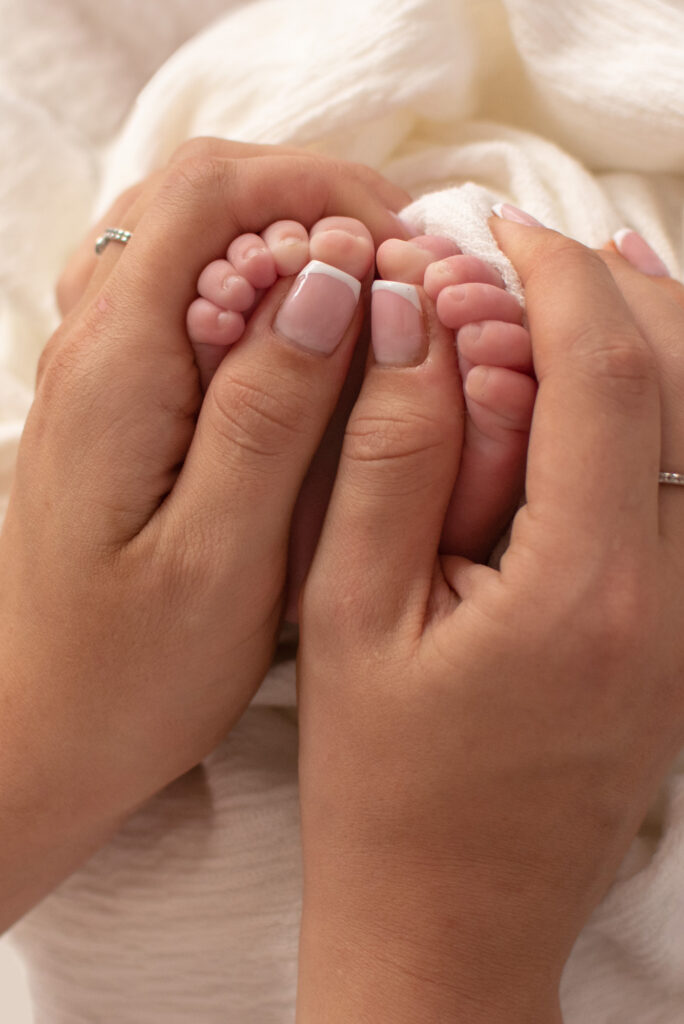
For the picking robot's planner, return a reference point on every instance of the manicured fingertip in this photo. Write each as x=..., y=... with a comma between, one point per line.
x=506, y=211
x=403, y=231
x=639, y=253
x=319, y=307
x=398, y=332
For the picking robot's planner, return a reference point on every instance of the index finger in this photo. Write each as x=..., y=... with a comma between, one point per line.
x=199, y=205
x=595, y=442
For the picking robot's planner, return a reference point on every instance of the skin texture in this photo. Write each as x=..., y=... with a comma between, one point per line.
x=449, y=738
x=144, y=551
x=492, y=739
x=491, y=467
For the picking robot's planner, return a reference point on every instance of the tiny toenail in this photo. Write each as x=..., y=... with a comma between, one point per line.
x=476, y=381
x=470, y=332
x=506, y=211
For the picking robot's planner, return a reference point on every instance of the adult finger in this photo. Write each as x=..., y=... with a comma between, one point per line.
x=657, y=305
x=79, y=272
x=393, y=196
x=75, y=277
x=594, y=451
x=264, y=415
x=232, y=197
x=121, y=382
x=397, y=469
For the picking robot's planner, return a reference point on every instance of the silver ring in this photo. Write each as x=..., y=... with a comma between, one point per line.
x=111, y=235
x=671, y=478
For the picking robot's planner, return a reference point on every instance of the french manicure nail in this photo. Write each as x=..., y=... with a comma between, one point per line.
x=508, y=212
x=639, y=253
x=319, y=308
x=397, y=324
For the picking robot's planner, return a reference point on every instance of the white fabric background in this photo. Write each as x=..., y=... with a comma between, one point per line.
x=14, y=998
x=573, y=111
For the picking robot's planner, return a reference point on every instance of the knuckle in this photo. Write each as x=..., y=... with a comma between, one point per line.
x=309, y=174
x=45, y=358
x=197, y=176
x=59, y=363
x=66, y=371
x=616, y=621
x=618, y=358
x=368, y=176
x=394, y=441
x=565, y=258
x=262, y=419
x=199, y=148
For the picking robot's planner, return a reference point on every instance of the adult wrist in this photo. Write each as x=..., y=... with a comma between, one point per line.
x=55, y=806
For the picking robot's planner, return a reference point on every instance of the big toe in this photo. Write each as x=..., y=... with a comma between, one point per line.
x=407, y=262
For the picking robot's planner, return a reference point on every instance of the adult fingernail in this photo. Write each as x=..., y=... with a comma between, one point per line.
x=639, y=253
x=508, y=212
x=319, y=308
x=402, y=230
x=397, y=324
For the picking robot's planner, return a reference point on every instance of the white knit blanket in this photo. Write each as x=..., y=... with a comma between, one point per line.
x=574, y=111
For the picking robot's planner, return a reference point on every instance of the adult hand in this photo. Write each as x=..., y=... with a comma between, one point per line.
x=356, y=188
x=479, y=747
x=365, y=188
x=144, y=550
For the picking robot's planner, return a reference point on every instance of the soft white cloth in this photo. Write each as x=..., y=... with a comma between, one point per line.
x=573, y=111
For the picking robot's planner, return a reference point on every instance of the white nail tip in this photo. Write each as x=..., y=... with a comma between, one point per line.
x=498, y=210
x=318, y=267
x=404, y=291
x=620, y=236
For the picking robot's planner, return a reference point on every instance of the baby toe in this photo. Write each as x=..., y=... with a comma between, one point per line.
x=289, y=244
x=500, y=401
x=495, y=343
x=343, y=242
x=458, y=305
x=208, y=324
x=491, y=475
x=457, y=270
x=253, y=259
x=407, y=262
x=220, y=283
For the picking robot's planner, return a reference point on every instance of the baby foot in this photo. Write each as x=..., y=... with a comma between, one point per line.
x=230, y=288
x=495, y=360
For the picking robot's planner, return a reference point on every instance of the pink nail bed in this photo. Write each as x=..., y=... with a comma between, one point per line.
x=639, y=253
x=397, y=324
x=506, y=211
x=319, y=308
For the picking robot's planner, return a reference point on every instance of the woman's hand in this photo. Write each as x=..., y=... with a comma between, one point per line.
x=144, y=551
x=366, y=189
x=479, y=747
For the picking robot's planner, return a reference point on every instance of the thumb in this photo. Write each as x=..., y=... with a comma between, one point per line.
x=592, y=469
x=399, y=461
x=265, y=413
